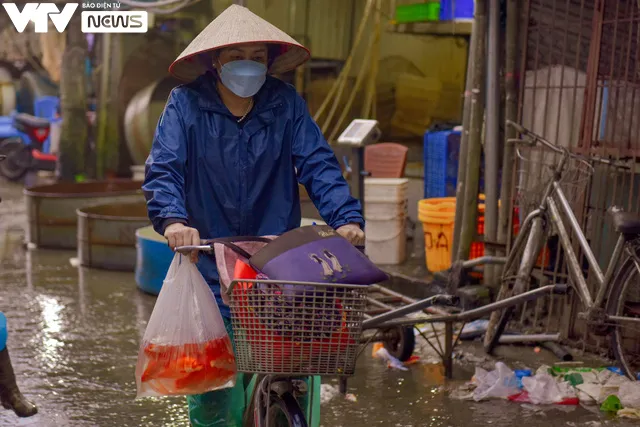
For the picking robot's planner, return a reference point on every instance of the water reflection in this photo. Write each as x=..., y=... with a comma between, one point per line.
x=28, y=261
x=51, y=328
x=82, y=293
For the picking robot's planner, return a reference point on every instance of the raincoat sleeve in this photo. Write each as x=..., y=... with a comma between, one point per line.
x=320, y=173
x=165, y=169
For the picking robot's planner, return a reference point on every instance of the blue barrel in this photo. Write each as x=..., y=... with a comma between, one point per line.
x=153, y=260
x=3, y=331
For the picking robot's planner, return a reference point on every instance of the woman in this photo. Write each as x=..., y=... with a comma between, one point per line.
x=228, y=153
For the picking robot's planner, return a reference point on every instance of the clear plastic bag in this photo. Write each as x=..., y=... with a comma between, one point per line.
x=185, y=349
x=500, y=383
x=629, y=394
x=543, y=389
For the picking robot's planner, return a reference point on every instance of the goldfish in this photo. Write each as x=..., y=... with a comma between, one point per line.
x=189, y=368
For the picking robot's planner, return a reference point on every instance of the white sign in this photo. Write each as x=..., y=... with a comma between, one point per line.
x=92, y=21
x=40, y=13
x=115, y=22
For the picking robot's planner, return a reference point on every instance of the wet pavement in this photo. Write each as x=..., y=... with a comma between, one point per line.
x=74, y=336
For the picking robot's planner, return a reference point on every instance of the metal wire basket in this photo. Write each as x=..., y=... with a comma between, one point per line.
x=536, y=167
x=298, y=328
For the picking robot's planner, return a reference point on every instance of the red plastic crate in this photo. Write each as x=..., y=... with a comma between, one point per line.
x=477, y=248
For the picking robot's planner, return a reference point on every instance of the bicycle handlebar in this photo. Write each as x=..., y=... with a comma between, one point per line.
x=190, y=248
x=208, y=248
x=558, y=149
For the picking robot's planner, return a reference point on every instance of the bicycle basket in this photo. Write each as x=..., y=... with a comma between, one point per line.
x=535, y=168
x=298, y=328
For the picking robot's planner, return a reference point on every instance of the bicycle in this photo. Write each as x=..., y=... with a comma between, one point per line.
x=286, y=332
x=606, y=311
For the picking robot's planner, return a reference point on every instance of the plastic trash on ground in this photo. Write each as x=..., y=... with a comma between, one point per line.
x=499, y=383
x=185, y=349
x=611, y=404
x=379, y=352
x=631, y=413
x=629, y=394
x=520, y=374
x=543, y=389
x=351, y=397
x=474, y=329
x=328, y=392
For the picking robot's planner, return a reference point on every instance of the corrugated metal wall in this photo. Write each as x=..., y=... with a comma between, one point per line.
x=324, y=25
x=330, y=27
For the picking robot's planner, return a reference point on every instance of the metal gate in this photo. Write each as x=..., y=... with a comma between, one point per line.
x=580, y=88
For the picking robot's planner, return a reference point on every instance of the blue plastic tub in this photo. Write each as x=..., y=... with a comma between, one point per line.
x=456, y=9
x=441, y=157
x=153, y=260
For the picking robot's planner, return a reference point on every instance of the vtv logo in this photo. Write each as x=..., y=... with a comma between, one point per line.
x=40, y=13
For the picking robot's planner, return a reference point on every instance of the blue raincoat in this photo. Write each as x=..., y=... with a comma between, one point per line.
x=226, y=178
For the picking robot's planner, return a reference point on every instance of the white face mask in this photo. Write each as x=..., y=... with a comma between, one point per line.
x=244, y=77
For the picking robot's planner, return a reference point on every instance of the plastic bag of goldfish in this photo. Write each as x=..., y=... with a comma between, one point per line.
x=185, y=349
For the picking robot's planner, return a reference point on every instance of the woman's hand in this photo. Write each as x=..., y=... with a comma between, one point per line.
x=353, y=233
x=180, y=235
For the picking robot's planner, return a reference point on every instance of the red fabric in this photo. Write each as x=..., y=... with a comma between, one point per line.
x=39, y=155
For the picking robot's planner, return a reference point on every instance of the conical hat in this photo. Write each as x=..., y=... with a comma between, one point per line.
x=237, y=25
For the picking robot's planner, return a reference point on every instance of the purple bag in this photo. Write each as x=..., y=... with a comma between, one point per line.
x=316, y=253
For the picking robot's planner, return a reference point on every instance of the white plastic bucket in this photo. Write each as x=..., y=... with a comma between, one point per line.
x=385, y=210
x=385, y=189
x=138, y=172
x=386, y=241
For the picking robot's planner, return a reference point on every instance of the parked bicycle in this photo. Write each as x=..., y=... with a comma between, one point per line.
x=615, y=308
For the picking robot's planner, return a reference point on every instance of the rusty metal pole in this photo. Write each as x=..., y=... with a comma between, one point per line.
x=464, y=145
x=470, y=200
x=492, y=135
x=511, y=113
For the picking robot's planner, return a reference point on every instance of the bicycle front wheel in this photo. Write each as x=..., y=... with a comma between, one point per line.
x=284, y=411
x=624, y=301
x=515, y=279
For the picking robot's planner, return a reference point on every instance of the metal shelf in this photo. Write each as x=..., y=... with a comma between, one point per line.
x=436, y=28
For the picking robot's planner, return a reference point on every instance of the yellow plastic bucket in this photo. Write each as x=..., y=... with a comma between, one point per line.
x=438, y=216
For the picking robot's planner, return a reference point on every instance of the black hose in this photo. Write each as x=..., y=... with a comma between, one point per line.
x=560, y=352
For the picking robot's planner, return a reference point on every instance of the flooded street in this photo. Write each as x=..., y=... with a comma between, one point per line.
x=74, y=336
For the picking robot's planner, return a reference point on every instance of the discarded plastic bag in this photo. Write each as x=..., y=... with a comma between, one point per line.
x=500, y=383
x=631, y=413
x=611, y=404
x=589, y=393
x=379, y=352
x=185, y=349
x=543, y=389
x=629, y=394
